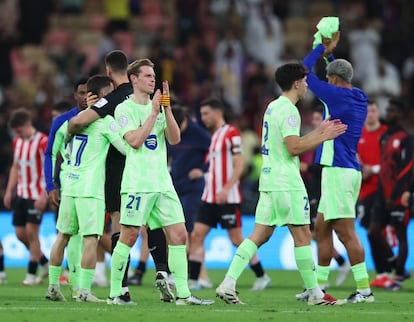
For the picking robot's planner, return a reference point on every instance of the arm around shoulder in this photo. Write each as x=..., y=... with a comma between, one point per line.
x=77, y=123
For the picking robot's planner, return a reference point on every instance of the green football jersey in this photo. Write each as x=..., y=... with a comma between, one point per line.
x=280, y=170
x=146, y=167
x=85, y=175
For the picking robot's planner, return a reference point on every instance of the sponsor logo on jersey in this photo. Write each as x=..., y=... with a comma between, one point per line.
x=151, y=142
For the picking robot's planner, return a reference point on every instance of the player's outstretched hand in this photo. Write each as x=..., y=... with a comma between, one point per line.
x=332, y=128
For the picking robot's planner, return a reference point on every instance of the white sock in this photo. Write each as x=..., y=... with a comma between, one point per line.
x=100, y=269
x=229, y=282
x=316, y=292
x=365, y=291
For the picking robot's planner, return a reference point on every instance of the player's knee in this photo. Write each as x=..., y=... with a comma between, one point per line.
x=196, y=237
x=128, y=236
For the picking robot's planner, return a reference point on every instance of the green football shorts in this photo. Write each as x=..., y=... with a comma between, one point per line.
x=339, y=192
x=157, y=209
x=280, y=208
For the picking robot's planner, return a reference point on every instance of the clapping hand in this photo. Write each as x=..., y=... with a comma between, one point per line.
x=156, y=107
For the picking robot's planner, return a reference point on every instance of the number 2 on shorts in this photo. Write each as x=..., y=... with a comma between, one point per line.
x=306, y=208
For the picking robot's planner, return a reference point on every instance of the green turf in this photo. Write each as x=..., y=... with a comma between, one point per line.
x=277, y=303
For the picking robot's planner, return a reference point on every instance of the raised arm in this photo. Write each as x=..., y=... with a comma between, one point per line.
x=136, y=137
x=172, y=131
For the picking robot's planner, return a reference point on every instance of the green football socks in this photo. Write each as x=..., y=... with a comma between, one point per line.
x=306, y=266
x=118, y=267
x=86, y=277
x=241, y=258
x=323, y=275
x=54, y=274
x=178, y=264
x=74, y=255
x=361, y=276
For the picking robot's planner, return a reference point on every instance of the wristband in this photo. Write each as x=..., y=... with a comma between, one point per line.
x=165, y=100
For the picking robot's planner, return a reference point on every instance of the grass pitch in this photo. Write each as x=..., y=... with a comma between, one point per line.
x=277, y=303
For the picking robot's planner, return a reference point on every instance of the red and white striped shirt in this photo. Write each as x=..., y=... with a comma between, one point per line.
x=29, y=154
x=225, y=143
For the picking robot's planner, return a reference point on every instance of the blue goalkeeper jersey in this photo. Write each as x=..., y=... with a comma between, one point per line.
x=348, y=105
x=49, y=158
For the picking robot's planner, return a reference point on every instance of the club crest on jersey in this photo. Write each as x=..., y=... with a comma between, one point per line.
x=151, y=142
x=101, y=102
x=292, y=121
x=123, y=121
x=113, y=126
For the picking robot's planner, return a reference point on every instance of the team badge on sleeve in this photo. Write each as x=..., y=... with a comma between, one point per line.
x=113, y=126
x=101, y=102
x=123, y=121
x=292, y=121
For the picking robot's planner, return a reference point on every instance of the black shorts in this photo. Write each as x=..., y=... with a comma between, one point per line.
x=364, y=209
x=114, y=170
x=24, y=212
x=399, y=216
x=227, y=215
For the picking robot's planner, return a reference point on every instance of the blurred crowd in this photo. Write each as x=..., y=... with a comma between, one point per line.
x=226, y=48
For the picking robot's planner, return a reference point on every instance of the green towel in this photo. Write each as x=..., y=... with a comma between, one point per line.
x=326, y=27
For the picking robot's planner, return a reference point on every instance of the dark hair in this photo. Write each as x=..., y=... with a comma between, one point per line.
x=20, y=117
x=214, y=103
x=96, y=83
x=62, y=106
x=80, y=81
x=287, y=74
x=117, y=61
x=180, y=113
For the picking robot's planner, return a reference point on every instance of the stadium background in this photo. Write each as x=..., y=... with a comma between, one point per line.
x=222, y=47
x=276, y=254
